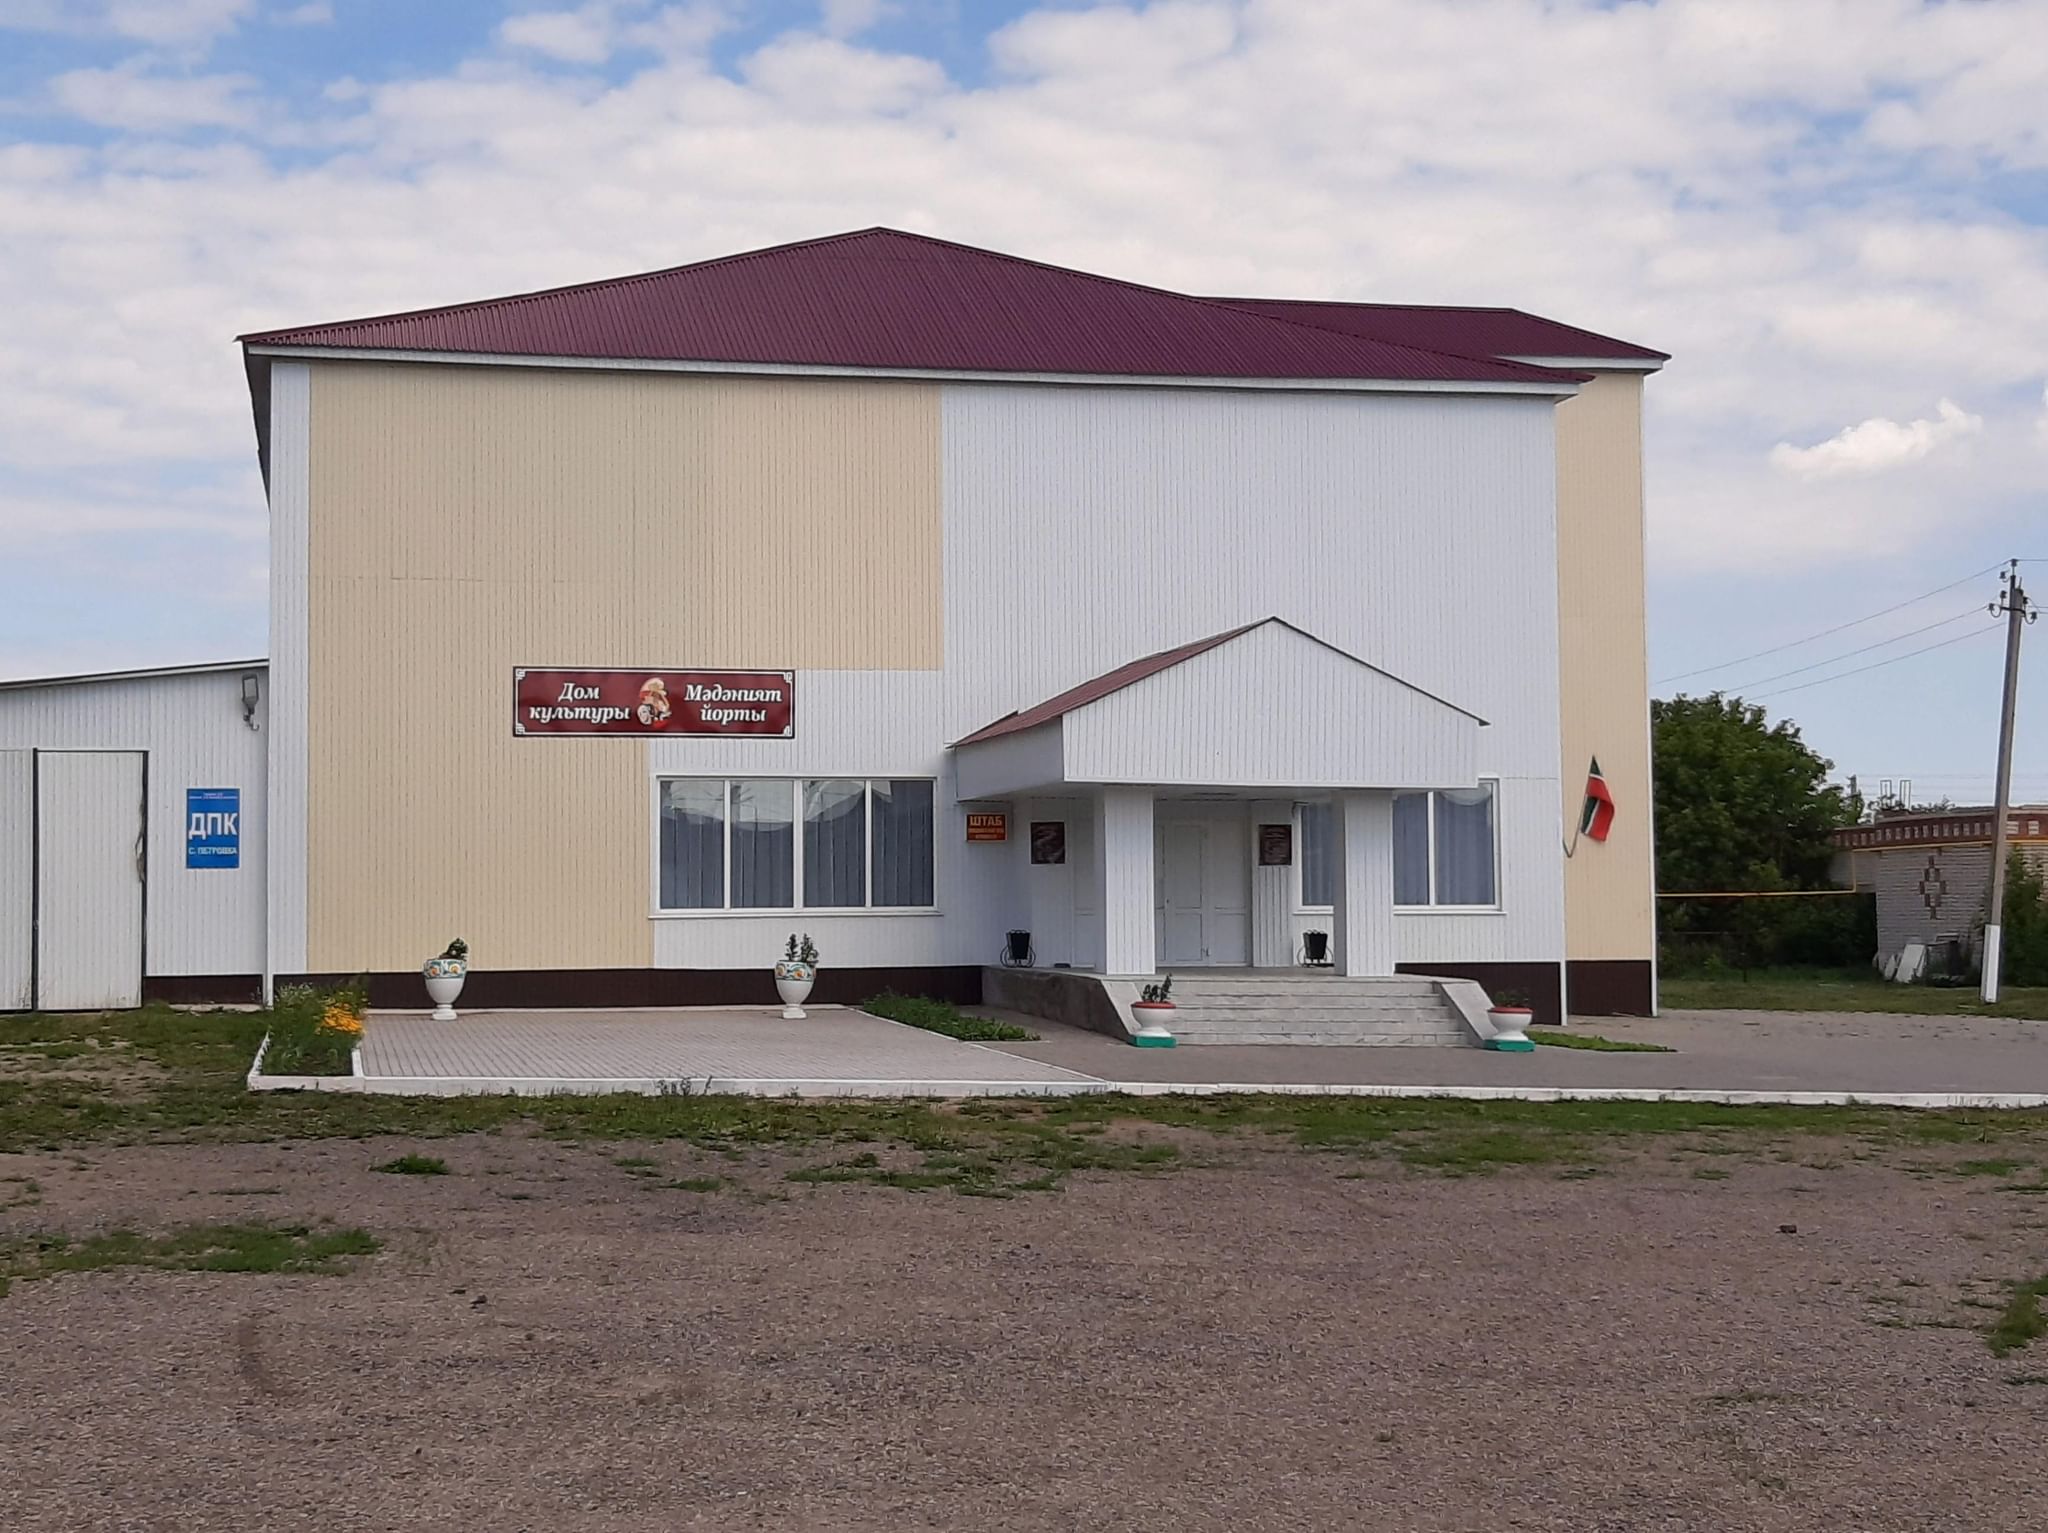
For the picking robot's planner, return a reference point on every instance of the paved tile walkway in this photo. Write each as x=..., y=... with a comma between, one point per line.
x=1726, y=1051
x=1721, y=1056
x=714, y=1048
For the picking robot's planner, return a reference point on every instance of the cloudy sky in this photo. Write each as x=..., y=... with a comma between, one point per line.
x=1833, y=212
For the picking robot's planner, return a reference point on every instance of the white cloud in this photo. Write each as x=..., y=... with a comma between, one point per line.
x=1875, y=445
x=164, y=22
x=850, y=18
x=1648, y=171
x=581, y=36
x=315, y=13
x=131, y=97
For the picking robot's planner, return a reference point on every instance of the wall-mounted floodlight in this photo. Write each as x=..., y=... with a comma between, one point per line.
x=250, y=695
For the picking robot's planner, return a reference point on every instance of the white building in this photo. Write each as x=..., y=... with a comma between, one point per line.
x=908, y=595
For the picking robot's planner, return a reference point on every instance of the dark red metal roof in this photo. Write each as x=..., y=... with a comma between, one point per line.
x=1465, y=332
x=1099, y=688
x=881, y=298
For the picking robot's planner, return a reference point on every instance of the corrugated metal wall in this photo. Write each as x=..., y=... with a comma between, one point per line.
x=17, y=877
x=1603, y=665
x=201, y=921
x=470, y=520
x=1086, y=527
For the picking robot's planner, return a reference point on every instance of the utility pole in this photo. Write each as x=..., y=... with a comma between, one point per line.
x=2013, y=603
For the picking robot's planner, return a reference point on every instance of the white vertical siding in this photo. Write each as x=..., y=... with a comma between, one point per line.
x=201, y=921
x=290, y=534
x=848, y=724
x=1128, y=889
x=1362, y=924
x=1273, y=935
x=1088, y=526
x=17, y=866
x=1272, y=708
x=90, y=852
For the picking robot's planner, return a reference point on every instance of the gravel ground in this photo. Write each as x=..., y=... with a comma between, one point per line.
x=1281, y=1340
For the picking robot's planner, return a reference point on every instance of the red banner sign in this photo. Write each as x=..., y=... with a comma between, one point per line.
x=622, y=702
x=988, y=827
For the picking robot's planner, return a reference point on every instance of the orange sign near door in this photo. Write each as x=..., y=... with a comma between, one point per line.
x=988, y=827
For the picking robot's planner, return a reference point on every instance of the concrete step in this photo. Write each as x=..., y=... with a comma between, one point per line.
x=1288, y=985
x=1328, y=1037
x=1291, y=1005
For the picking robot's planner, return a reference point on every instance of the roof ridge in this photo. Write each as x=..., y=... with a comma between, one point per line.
x=1235, y=308
x=532, y=294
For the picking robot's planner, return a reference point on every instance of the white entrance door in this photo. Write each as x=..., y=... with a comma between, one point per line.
x=1204, y=901
x=89, y=870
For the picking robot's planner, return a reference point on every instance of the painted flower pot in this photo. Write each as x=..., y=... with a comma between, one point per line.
x=1509, y=1023
x=1152, y=1018
x=444, y=978
x=793, y=983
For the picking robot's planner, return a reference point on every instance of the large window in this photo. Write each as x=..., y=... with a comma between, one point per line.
x=1446, y=851
x=866, y=844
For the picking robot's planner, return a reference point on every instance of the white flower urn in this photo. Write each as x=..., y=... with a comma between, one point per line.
x=1509, y=1023
x=793, y=981
x=444, y=977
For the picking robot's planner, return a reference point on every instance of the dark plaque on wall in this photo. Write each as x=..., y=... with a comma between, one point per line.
x=1048, y=841
x=1276, y=846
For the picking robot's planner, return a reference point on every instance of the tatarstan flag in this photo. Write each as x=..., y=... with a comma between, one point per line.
x=1597, y=818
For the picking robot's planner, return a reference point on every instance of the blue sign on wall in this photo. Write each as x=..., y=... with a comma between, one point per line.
x=213, y=827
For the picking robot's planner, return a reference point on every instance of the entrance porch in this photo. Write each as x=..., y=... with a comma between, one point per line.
x=1162, y=803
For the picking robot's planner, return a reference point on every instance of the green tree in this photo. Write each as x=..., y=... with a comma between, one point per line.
x=1746, y=806
x=2023, y=941
x=1741, y=804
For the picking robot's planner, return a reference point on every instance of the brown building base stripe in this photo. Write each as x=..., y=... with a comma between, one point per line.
x=1536, y=984
x=202, y=989
x=615, y=989
x=1609, y=987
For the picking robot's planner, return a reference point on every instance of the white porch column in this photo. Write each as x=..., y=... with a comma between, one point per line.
x=1124, y=892
x=1363, y=924
x=1273, y=939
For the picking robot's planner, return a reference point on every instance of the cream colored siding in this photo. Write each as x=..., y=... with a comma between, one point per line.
x=1603, y=678
x=469, y=520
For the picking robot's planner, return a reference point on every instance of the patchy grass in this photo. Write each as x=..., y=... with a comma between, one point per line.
x=415, y=1165
x=1568, y=1038
x=1838, y=990
x=191, y=1090
x=943, y=1017
x=2021, y=1321
x=695, y=1184
x=197, y=1248
x=1997, y=1166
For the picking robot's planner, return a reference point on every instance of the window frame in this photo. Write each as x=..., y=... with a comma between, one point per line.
x=728, y=910
x=1492, y=784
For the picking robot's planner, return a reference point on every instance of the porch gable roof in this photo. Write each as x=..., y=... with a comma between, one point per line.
x=1263, y=705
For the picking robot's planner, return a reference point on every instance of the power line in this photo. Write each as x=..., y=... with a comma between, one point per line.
x=1852, y=653
x=1852, y=623
x=1975, y=633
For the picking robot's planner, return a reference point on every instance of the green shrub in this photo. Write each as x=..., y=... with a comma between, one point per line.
x=313, y=1031
x=944, y=1017
x=2024, y=940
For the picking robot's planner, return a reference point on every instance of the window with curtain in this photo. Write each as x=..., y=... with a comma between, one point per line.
x=763, y=833
x=1446, y=848
x=693, y=846
x=903, y=842
x=1318, y=855
x=835, y=844
x=777, y=844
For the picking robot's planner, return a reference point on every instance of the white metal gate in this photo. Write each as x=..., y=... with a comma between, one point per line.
x=86, y=841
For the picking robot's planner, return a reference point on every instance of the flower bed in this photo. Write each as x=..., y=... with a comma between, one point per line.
x=314, y=1032
x=943, y=1017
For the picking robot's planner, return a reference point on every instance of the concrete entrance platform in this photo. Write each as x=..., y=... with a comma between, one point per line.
x=834, y=1052
x=1737, y=1057
x=1719, y=1055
